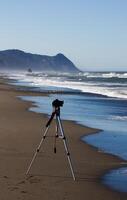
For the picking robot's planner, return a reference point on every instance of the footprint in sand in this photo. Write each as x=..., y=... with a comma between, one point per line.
x=29, y=177
x=23, y=191
x=13, y=188
x=34, y=180
x=21, y=182
x=5, y=177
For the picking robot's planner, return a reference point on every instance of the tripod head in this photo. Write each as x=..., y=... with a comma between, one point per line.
x=57, y=104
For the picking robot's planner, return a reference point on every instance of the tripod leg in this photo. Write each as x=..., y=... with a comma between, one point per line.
x=56, y=135
x=66, y=147
x=37, y=150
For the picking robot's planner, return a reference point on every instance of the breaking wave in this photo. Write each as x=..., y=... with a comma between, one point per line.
x=96, y=84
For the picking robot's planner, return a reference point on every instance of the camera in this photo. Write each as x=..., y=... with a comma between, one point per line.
x=57, y=103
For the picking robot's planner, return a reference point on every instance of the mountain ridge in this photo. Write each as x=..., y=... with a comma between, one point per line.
x=15, y=59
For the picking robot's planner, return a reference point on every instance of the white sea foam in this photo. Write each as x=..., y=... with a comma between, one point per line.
x=84, y=87
x=110, y=89
x=105, y=75
x=118, y=118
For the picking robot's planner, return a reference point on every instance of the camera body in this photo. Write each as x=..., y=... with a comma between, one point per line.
x=57, y=103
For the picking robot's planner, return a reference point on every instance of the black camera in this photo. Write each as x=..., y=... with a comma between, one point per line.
x=57, y=103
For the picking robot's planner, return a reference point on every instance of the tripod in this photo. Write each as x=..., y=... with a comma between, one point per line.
x=56, y=113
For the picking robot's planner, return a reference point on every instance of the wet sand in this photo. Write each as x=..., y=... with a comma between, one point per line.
x=50, y=177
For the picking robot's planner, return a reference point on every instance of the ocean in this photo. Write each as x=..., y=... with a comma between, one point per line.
x=95, y=99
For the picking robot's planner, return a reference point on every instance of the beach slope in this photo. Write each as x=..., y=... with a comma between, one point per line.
x=50, y=177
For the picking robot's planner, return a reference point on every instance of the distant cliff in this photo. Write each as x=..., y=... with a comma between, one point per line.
x=19, y=60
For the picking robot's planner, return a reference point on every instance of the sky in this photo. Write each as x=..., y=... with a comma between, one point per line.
x=91, y=33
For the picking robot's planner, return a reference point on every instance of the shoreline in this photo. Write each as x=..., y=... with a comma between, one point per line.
x=88, y=173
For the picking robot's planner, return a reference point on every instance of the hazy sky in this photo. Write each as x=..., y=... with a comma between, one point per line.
x=92, y=33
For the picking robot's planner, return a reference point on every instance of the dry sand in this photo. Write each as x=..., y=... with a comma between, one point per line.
x=50, y=177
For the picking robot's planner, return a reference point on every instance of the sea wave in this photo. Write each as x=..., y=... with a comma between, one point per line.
x=118, y=118
x=105, y=75
x=81, y=86
x=110, y=89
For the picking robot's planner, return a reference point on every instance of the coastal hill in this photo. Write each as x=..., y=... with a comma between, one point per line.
x=15, y=59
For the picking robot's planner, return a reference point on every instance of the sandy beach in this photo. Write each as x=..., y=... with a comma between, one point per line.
x=50, y=177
